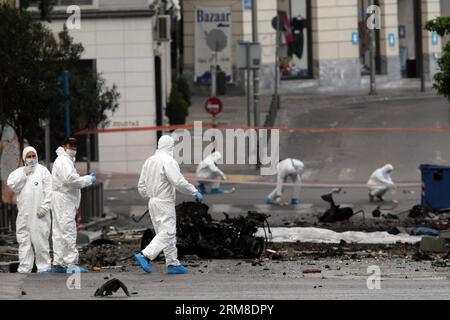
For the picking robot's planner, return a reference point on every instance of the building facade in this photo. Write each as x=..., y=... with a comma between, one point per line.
x=117, y=36
x=325, y=42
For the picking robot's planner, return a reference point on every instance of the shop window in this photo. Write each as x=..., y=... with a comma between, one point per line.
x=295, y=47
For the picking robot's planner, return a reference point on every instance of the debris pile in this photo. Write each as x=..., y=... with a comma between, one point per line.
x=106, y=254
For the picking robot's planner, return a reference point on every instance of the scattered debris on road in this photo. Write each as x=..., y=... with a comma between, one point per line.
x=335, y=213
x=306, y=271
x=439, y=264
x=110, y=287
x=421, y=256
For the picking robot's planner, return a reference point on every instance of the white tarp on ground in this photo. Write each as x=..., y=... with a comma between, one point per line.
x=316, y=235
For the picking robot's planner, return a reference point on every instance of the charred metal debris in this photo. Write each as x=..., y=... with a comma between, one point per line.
x=335, y=213
x=199, y=234
x=110, y=287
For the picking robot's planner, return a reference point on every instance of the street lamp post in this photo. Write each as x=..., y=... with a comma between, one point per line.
x=66, y=102
x=256, y=109
x=45, y=124
x=373, y=46
x=277, y=61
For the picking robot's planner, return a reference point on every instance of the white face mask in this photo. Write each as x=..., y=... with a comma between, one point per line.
x=72, y=153
x=31, y=162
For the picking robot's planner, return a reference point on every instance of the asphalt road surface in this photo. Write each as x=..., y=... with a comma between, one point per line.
x=232, y=279
x=352, y=157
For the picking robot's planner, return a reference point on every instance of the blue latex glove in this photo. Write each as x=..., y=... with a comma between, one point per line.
x=198, y=197
x=93, y=178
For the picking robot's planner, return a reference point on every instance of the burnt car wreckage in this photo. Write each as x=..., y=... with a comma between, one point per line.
x=198, y=233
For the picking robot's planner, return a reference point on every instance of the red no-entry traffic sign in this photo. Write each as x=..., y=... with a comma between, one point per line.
x=213, y=106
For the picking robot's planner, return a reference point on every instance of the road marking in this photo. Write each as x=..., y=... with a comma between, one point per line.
x=438, y=124
x=346, y=174
x=334, y=124
x=438, y=156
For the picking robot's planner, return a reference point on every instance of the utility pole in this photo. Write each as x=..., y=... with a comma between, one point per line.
x=88, y=153
x=214, y=73
x=277, y=62
x=47, y=144
x=373, y=45
x=249, y=110
x=419, y=39
x=66, y=102
x=256, y=109
x=45, y=124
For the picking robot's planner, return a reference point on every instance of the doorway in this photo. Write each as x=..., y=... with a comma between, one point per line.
x=410, y=37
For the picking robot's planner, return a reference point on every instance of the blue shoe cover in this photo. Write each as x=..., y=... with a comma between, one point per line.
x=76, y=270
x=144, y=262
x=217, y=191
x=177, y=270
x=295, y=202
x=58, y=269
x=43, y=271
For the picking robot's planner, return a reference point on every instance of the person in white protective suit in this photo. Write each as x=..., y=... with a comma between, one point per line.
x=380, y=182
x=288, y=169
x=208, y=170
x=66, y=198
x=160, y=177
x=32, y=184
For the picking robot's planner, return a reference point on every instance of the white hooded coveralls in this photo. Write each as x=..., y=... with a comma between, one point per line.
x=160, y=177
x=33, y=193
x=380, y=181
x=66, y=198
x=288, y=169
x=207, y=169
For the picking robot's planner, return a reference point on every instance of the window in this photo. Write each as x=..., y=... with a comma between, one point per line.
x=295, y=47
x=65, y=3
